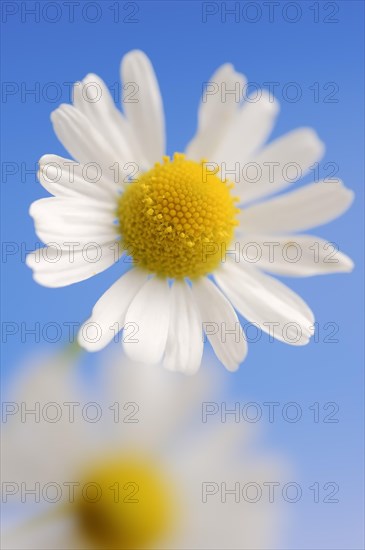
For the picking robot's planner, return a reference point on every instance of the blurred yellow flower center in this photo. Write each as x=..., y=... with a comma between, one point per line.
x=175, y=218
x=124, y=503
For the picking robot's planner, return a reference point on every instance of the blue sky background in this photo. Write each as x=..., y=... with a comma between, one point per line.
x=185, y=51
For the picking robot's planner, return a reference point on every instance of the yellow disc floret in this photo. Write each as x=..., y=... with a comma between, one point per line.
x=124, y=503
x=175, y=218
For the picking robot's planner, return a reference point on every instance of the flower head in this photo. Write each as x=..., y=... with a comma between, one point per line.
x=138, y=476
x=190, y=223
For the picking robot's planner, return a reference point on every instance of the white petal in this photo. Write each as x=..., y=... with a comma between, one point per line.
x=221, y=324
x=108, y=314
x=84, y=142
x=294, y=255
x=266, y=302
x=216, y=112
x=53, y=267
x=61, y=221
x=249, y=130
x=149, y=313
x=184, y=348
x=282, y=162
x=93, y=99
x=312, y=205
x=42, y=531
x=143, y=104
x=65, y=178
x=44, y=379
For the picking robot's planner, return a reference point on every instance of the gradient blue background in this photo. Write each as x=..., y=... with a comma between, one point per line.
x=185, y=52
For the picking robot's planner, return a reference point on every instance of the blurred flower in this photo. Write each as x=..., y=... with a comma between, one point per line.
x=178, y=219
x=135, y=477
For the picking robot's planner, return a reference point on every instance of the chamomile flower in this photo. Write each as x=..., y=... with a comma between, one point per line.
x=121, y=465
x=187, y=221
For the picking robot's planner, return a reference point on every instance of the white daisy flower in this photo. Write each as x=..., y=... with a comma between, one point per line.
x=180, y=218
x=164, y=464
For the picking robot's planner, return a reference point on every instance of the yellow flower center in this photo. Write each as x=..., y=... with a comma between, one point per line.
x=175, y=218
x=124, y=503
